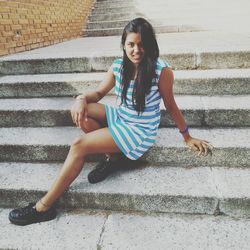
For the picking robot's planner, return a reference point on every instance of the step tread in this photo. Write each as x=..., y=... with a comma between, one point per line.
x=98, y=76
x=214, y=182
x=194, y=42
x=184, y=102
x=168, y=28
x=105, y=230
x=110, y=21
x=167, y=137
x=65, y=77
x=191, y=82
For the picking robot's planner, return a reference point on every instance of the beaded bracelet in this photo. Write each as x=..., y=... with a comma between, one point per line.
x=184, y=131
x=79, y=98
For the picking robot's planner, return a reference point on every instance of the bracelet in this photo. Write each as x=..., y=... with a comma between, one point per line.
x=80, y=98
x=184, y=131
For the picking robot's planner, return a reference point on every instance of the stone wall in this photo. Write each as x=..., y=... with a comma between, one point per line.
x=30, y=24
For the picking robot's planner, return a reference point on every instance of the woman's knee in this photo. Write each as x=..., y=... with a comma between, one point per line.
x=78, y=146
x=86, y=126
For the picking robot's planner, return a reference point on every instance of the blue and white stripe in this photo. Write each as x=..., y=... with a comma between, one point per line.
x=134, y=134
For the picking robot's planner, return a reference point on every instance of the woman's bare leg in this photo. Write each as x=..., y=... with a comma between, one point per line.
x=96, y=119
x=98, y=141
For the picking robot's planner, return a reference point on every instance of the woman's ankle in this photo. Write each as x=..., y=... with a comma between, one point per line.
x=41, y=206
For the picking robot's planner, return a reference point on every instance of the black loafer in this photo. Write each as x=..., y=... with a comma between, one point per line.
x=102, y=170
x=28, y=215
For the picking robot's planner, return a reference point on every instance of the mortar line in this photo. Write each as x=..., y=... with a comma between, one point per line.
x=218, y=195
x=197, y=60
x=100, y=240
x=204, y=113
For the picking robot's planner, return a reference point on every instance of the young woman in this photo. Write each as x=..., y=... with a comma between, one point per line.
x=140, y=79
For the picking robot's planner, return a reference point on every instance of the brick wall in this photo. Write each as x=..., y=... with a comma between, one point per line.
x=30, y=24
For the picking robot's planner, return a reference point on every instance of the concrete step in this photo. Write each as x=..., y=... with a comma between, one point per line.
x=108, y=24
x=201, y=190
x=195, y=50
x=198, y=82
x=111, y=10
x=114, y=16
x=204, y=14
x=119, y=24
x=108, y=1
x=114, y=4
x=158, y=29
x=155, y=14
x=47, y=144
x=199, y=111
x=95, y=229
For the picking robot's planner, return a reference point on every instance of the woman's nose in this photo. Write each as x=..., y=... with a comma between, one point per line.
x=136, y=48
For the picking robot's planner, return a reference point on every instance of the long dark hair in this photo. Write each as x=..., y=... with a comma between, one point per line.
x=146, y=68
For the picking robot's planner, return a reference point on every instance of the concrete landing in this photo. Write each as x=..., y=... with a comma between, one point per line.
x=137, y=231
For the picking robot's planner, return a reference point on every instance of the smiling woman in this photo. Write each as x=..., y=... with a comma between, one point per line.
x=141, y=78
x=140, y=52
x=133, y=47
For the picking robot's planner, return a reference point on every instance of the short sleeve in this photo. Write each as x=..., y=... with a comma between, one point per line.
x=116, y=67
x=160, y=64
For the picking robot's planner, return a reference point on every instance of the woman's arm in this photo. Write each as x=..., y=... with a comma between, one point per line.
x=166, y=90
x=79, y=109
x=104, y=87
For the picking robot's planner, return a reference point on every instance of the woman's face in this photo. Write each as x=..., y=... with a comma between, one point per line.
x=133, y=48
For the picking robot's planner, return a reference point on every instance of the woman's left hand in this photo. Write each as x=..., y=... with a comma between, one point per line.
x=202, y=147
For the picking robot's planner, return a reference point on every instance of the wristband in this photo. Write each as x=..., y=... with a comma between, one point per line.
x=184, y=131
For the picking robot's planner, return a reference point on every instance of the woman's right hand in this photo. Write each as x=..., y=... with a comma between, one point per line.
x=79, y=111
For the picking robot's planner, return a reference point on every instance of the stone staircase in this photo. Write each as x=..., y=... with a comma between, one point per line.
x=172, y=199
x=108, y=18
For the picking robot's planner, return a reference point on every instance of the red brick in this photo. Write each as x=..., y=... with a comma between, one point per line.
x=34, y=46
x=4, y=9
x=41, y=22
x=4, y=52
x=20, y=49
x=16, y=27
x=23, y=21
x=15, y=21
x=12, y=50
x=6, y=21
x=11, y=45
x=2, y=39
x=7, y=27
x=5, y=16
x=7, y=33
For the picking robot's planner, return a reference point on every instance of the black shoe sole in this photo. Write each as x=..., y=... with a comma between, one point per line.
x=25, y=222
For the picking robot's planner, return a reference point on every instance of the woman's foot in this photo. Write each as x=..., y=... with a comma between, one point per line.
x=41, y=207
x=28, y=215
x=102, y=170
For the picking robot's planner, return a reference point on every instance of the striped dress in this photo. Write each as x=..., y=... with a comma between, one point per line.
x=134, y=134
